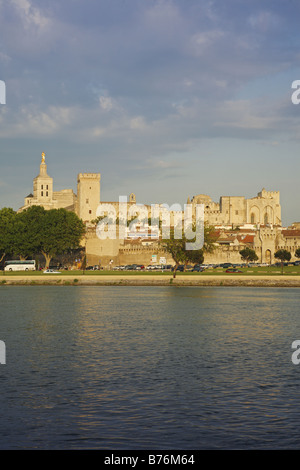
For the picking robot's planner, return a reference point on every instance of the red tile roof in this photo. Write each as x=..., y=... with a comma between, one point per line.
x=246, y=239
x=291, y=233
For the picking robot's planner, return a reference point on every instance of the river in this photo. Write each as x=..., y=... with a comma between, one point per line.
x=109, y=367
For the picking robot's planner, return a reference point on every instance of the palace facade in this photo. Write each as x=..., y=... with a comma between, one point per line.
x=238, y=222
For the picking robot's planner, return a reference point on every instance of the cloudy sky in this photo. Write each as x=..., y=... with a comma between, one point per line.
x=165, y=98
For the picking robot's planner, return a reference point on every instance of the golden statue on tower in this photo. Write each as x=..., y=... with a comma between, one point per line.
x=43, y=157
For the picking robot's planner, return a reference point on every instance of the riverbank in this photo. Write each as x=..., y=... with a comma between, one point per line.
x=152, y=280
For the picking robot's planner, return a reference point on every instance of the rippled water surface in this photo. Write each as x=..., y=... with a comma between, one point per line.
x=149, y=368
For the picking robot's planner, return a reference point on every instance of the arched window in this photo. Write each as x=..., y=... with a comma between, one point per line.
x=252, y=218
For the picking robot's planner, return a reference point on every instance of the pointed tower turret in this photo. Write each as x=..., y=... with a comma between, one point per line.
x=43, y=184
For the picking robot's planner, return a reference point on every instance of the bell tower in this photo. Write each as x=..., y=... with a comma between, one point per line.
x=43, y=185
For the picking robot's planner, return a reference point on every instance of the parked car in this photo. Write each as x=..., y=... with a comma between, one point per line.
x=189, y=267
x=130, y=267
x=198, y=268
x=179, y=268
x=51, y=271
x=233, y=270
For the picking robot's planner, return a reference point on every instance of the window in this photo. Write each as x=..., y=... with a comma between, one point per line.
x=47, y=193
x=90, y=211
x=87, y=201
x=236, y=212
x=42, y=186
x=42, y=193
x=47, y=187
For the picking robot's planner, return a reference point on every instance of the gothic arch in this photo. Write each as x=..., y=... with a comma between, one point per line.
x=254, y=215
x=268, y=215
x=268, y=256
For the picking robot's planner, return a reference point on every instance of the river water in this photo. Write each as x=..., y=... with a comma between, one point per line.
x=149, y=368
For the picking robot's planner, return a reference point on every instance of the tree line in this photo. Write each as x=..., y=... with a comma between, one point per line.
x=37, y=231
x=248, y=255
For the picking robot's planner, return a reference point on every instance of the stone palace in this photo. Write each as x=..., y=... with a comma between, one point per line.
x=238, y=222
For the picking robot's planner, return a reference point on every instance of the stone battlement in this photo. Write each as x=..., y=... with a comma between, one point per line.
x=94, y=176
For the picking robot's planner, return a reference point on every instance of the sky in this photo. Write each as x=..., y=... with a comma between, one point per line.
x=165, y=98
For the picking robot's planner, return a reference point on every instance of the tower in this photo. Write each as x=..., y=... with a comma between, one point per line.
x=88, y=195
x=43, y=186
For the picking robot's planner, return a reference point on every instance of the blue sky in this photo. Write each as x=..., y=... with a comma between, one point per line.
x=165, y=98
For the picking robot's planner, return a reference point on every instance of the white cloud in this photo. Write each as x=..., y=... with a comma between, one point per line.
x=161, y=164
x=106, y=103
x=163, y=15
x=33, y=121
x=29, y=14
x=137, y=123
x=258, y=115
x=201, y=41
x=264, y=21
x=4, y=58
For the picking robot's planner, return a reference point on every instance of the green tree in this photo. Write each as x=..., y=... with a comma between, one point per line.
x=248, y=255
x=36, y=230
x=28, y=226
x=283, y=256
x=195, y=256
x=7, y=218
x=177, y=248
x=210, y=238
x=297, y=253
x=61, y=231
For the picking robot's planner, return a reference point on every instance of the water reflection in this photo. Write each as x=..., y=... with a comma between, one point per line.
x=135, y=367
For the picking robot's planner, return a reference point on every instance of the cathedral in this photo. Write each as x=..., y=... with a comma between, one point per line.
x=84, y=204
